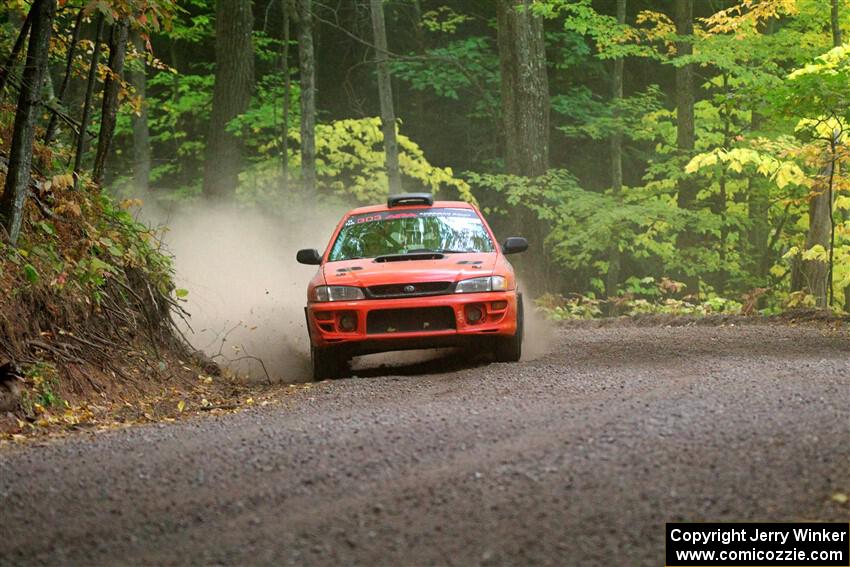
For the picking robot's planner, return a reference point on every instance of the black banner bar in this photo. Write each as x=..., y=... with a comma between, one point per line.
x=758, y=544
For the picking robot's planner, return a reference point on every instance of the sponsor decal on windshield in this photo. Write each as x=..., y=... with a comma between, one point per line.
x=423, y=213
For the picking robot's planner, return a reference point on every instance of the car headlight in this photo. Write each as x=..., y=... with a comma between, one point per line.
x=337, y=293
x=477, y=285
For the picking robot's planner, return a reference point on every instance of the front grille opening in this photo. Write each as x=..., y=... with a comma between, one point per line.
x=419, y=319
x=404, y=289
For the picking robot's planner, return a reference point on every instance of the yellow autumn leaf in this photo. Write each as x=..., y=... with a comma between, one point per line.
x=788, y=174
x=181, y=405
x=793, y=251
x=700, y=161
x=840, y=497
x=817, y=253
x=842, y=202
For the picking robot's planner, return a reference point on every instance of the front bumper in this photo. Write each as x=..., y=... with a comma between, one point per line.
x=423, y=322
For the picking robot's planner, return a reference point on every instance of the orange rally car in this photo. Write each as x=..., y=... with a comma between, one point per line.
x=412, y=274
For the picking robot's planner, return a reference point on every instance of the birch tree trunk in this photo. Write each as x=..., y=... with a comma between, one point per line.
x=141, y=132
x=421, y=49
x=287, y=86
x=307, y=72
x=385, y=94
x=612, y=279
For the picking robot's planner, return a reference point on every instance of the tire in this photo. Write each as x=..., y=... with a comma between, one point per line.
x=509, y=349
x=327, y=363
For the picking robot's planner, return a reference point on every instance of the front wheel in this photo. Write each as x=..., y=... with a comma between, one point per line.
x=328, y=363
x=509, y=349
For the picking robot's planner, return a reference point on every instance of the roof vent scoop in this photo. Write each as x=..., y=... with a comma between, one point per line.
x=407, y=199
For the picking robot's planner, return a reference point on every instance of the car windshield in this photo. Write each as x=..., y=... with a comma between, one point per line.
x=434, y=230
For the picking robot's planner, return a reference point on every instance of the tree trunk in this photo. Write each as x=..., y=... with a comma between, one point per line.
x=759, y=241
x=109, y=109
x=287, y=86
x=720, y=207
x=758, y=211
x=141, y=133
x=687, y=187
x=385, y=94
x=234, y=79
x=307, y=71
x=836, y=28
x=84, y=120
x=418, y=94
x=612, y=279
x=525, y=88
x=6, y=70
x=20, y=152
x=816, y=273
x=525, y=120
x=66, y=79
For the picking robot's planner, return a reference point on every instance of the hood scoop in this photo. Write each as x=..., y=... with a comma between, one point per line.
x=410, y=256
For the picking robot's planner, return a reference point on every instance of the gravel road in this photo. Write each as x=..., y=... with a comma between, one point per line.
x=578, y=457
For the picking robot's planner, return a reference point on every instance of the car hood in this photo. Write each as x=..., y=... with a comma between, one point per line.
x=450, y=268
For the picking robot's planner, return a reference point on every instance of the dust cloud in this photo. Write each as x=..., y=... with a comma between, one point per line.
x=246, y=291
x=539, y=332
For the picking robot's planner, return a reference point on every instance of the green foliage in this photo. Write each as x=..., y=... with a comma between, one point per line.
x=641, y=296
x=589, y=115
x=559, y=308
x=444, y=19
x=464, y=67
x=178, y=107
x=817, y=93
x=42, y=381
x=582, y=225
x=611, y=38
x=80, y=260
x=261, y=126
x=350, y=164
x=30, y=273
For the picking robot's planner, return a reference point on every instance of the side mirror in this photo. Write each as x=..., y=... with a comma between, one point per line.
x=514, y=244
x=309, y=256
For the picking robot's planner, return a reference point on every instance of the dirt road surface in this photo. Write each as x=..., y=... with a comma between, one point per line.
x=578, y=457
